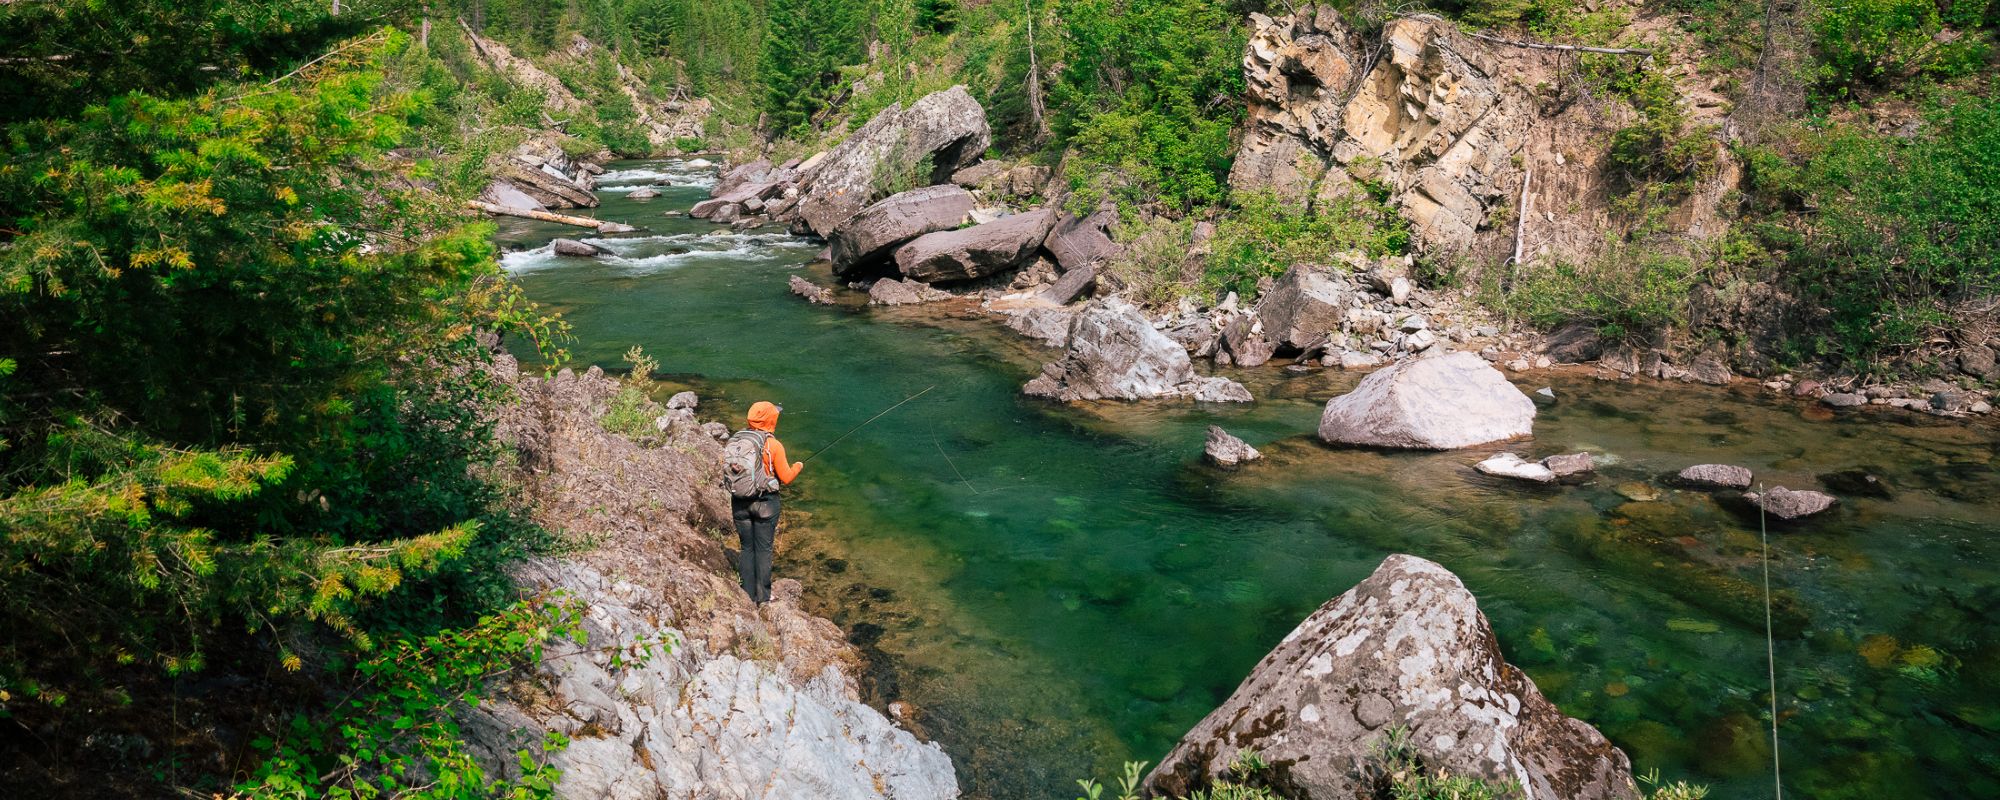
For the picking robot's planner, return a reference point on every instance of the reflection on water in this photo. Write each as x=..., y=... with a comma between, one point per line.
x=1058, y=589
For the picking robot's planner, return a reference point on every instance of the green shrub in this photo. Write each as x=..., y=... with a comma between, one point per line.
x=1629, y=292
x=1264, y=236
x=1873, y=42
x=1885, y=236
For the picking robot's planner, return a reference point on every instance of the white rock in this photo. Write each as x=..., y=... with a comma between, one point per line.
x=1438, y=403
x=1508, y=465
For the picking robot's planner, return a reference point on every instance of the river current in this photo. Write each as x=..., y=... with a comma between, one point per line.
x=1054, y=590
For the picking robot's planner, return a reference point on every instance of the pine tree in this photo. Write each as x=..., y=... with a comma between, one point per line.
x=807, y=43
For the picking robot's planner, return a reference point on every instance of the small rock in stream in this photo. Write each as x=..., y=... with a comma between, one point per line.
x=1227, y=451
x=1715, y=476
x=1569, y=465
x=1789, y=504
x=1508, y=465
x=812, y=292
x=572, y=247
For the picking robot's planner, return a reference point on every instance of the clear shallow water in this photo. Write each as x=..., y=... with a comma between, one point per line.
x=1059, y=589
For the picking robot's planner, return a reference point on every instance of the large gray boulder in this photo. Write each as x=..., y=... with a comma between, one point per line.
x=1406, y=648
x=868, y=237
x=1438, y=403
x=1113, y=353
x=1305, y=305
x=975, y=252
x=947, y=127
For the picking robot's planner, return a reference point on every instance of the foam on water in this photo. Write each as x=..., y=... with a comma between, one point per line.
x=665, y=173
x=642, y=254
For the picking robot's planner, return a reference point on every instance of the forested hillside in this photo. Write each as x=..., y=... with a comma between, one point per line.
x=245, y=447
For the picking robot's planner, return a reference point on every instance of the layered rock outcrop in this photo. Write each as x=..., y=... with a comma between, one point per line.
x=752, y=703
x=1450, y=124
x=1438, y=403
x=1406, y=648
x=1113, y=353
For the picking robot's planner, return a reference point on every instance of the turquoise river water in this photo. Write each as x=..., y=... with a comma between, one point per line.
x=1057, y=589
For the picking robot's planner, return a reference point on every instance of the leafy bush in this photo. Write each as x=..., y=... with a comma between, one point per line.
x=234, y=412
x=1884, y=236
x=1871, y=42
x=1399, y=773
x=1264, y=236
x=1629, y=292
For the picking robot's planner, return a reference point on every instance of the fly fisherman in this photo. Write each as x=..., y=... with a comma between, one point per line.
x=754, y=467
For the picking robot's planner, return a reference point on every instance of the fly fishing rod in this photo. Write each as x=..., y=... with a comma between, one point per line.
x=850, y=431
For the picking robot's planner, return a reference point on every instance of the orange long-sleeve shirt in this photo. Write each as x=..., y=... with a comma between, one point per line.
x=764, y=417
x=775, y=461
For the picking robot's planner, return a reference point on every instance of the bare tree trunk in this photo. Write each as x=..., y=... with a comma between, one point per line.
x=529, y=213
x=1036, y=112
x=424, y=34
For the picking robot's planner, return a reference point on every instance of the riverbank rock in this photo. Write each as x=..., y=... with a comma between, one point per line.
x=572, y=247
x=1224, y=450
x=1050, y=326
x=1714, y=476
x=1438, y=403
x=1405, y=648
x=975, y=252
x=870, y=235
x=812, y=292
x=1081, y=242
x=1113, y=353
x=893, y=292
x=1791, y=504
x=705, y=719
x=1305, y=305
x=1508, y=465
x=948, y=128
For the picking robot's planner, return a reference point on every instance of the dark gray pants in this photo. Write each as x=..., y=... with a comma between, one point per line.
x=756, y=531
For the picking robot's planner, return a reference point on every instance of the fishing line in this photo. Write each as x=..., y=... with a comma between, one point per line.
x=850, y=431
x=954, y=470
x=1770, y=645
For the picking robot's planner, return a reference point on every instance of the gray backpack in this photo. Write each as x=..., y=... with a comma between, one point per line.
x=743, y=465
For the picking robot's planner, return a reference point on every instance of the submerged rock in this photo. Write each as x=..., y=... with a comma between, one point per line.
x=1225, y=450
x=1570, y=465
x=1637, y=491
x=1439, y=403
x=893, y=292
x=1508, y=465
x=812, y=292
x=1405, y=648
x=1113, y=353
x=1715, y=476
x=1788, y=504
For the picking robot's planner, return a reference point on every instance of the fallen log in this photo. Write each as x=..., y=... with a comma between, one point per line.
x=529, y=213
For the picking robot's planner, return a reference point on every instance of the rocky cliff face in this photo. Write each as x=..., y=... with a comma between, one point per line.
x=1450, y=124
x=753, y=703
x=1406, y=648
